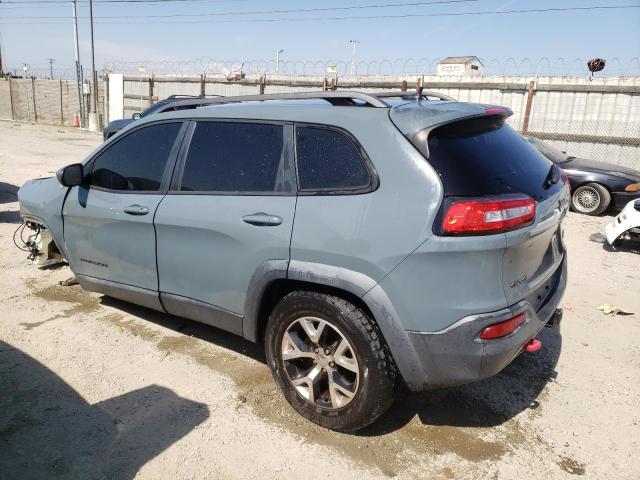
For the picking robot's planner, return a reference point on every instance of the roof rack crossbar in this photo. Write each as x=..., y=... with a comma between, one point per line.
x=338, y=98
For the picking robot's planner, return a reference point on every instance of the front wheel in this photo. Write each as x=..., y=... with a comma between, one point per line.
x=590, y=199
x=330, y=361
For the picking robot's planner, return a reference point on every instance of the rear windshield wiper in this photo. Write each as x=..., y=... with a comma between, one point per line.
x=553, y=176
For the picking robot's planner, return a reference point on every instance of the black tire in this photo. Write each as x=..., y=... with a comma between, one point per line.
x=601, y=196
x=375, y=366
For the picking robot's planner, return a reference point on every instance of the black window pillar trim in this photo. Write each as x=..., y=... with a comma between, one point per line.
x=176, y=177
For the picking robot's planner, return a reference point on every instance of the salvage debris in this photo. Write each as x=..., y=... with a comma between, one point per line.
x=69, y=282
x=611, y=310
x=52, y=263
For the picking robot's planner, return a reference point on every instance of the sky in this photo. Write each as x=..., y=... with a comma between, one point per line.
x=227, y=30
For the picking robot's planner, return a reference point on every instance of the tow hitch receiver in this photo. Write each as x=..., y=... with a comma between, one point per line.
x=532, y=345
x=555, y=319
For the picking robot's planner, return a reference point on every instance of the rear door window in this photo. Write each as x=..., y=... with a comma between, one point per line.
x=329, y=160
x=235, y=157
x=137, y=161
x=484, y=156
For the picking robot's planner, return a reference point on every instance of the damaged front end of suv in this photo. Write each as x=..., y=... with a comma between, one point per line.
x=41, y=232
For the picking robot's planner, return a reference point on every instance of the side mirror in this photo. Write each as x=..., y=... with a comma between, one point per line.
x=136, y=116
x=71, y=175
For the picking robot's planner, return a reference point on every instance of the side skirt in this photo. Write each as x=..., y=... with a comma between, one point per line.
x=121, y=291
x=166, y=302
x=202, y=312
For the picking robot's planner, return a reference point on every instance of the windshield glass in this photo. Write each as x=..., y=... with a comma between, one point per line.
x=549, y=151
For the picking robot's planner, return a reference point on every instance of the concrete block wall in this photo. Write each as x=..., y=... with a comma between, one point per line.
x=5, y=104
x=43, y=101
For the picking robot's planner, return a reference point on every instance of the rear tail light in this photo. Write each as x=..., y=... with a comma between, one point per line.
x=491, y=215
x=502, y=329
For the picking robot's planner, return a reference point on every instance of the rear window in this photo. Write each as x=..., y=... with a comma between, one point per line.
x=484, y=156
x=329, y=160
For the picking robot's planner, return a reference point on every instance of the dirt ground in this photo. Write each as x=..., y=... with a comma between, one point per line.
x=91, y=387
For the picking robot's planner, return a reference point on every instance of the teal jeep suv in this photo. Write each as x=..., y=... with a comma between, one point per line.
x=367, y=240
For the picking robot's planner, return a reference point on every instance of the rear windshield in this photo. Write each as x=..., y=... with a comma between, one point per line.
x=484, y=156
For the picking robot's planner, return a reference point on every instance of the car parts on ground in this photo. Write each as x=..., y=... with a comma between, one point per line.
x=626, y=226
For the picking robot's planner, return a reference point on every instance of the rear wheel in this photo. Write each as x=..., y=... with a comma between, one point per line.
x=590, y=199
x=330, y=361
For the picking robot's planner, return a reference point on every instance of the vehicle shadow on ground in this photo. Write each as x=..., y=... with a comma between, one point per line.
x=487, y=403
x=10, y=216
x=47, y=430
x=187, y=327
x=627, y=246
x=8, y=192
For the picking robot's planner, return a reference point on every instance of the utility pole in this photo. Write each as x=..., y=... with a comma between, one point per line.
x=94, y=120
x=278, y=53
x=78, y=71
x=1, y=64
x=354, y=44
x=51, y=60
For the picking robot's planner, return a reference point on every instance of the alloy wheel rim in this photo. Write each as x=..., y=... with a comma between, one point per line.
x=320, y=362
x=587, y=198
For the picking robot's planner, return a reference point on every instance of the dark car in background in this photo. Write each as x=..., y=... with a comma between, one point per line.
x=166, y=105
x=595, y=186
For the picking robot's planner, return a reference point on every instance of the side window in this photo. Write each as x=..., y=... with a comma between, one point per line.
x=234, y=157
x=329, y=160
x=136, y=162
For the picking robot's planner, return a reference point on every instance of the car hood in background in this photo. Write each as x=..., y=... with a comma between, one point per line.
x=118, y=124
x=600, y=167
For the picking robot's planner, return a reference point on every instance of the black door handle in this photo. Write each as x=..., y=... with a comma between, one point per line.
x=136, y=210
x=262, y=219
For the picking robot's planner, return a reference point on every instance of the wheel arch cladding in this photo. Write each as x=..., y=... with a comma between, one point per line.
x=273, y=279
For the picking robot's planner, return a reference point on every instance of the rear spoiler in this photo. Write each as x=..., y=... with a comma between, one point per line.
x=420, y=138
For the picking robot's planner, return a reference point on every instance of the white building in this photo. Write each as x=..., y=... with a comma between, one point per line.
x=461, y=66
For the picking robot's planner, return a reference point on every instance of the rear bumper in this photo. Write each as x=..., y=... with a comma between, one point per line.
x=456, y=355
x=620, y=199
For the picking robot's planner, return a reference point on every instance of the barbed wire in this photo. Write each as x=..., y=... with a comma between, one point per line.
x=399, y=66
x=511, y=66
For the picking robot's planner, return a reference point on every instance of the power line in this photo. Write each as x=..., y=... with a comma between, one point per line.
x=40, y=2
x=270, y=12
x=359, y=17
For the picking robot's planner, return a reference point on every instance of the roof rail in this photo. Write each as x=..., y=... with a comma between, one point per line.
x=415, y=93
x=337, y=98
x=186, y=97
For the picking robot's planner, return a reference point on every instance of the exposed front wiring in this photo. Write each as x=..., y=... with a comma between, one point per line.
x=21, y=229
x=31, y=243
